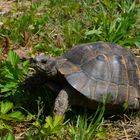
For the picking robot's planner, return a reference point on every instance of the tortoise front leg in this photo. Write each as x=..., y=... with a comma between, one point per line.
x=61, y=103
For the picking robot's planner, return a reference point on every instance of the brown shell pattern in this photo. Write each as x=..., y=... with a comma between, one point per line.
x=100, y=69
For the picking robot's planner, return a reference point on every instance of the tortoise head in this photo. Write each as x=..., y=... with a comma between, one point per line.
x=45, y=63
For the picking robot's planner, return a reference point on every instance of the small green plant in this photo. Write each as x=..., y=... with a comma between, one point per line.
x=5, y=108
x=8, y=116
x=52, y=127
x=13, y=73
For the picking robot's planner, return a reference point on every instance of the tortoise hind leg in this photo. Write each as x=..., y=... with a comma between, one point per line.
x=61, y=103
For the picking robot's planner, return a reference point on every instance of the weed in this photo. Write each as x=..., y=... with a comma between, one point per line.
x=85, y=128
x=53, y=127
x=7, y=115
x=12, y=74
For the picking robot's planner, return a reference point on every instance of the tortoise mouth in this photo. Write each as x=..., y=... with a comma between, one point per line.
x=42, y=69
x=39, y=67
x=36, y=65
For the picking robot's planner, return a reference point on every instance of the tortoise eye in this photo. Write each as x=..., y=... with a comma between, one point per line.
x=43, y=61
x=100, y=58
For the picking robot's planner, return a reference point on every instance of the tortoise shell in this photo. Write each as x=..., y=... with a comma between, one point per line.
x=100, y=69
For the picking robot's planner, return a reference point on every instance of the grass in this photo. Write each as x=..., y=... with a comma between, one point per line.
x=53, y=26
x=87, y=128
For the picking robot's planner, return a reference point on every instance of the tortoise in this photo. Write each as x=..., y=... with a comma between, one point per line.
x=88, y=73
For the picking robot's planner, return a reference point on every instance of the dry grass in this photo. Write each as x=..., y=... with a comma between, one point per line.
x=126, y=129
